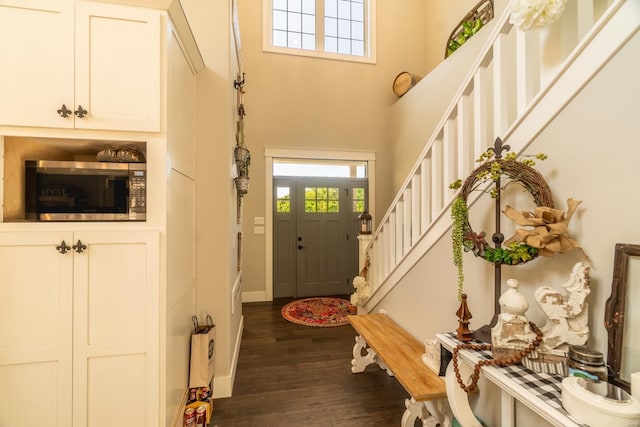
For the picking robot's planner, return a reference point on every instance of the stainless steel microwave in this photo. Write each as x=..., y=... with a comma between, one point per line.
x=85, y=191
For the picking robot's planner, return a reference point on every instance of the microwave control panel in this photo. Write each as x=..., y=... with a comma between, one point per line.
x=137, y=191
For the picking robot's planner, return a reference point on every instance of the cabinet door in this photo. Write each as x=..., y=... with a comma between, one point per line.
x=116, y=329
x=118, y=67
x=35, y=329
x=36, y=47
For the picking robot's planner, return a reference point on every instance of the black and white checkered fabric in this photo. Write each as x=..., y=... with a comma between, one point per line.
x=545, y=386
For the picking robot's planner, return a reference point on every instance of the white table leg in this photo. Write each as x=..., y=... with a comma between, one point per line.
x=458, y=399
x=427, y=412
x=441, y=411
x=507, y=408
x=415, y=410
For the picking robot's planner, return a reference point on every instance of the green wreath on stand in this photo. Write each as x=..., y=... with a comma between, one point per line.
x=465, y=239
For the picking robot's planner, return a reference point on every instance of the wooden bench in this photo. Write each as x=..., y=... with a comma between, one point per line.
x=382, y=341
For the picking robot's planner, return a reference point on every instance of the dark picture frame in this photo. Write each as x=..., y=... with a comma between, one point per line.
x=616, y=311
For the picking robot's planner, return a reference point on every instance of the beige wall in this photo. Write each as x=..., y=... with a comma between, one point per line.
x=593, y=151
x=307, y=103
x=216, y=195
x=291, y=102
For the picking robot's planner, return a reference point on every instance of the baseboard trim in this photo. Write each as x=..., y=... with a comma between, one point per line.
x=223, y=386
x=258, y=296
x=178, y=421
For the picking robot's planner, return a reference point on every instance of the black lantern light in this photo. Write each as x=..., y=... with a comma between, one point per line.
x=365, y=222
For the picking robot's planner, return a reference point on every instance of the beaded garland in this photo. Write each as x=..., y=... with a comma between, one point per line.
x=490, y=362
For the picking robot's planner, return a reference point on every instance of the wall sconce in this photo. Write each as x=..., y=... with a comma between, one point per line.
x=365, y=222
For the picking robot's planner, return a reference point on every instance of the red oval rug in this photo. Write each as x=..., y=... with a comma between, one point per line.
x=319, y=312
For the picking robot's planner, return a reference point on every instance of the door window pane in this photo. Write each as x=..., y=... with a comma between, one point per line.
x=321, y=199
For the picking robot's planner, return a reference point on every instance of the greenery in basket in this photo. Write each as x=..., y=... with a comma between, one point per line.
x=515, y=253
x=469, y=28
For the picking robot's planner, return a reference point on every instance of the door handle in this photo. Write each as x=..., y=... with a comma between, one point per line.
x=300, y=247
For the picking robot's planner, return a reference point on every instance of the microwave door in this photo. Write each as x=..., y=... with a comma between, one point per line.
x=82, y=195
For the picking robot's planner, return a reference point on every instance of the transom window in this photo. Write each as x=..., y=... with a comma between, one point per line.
x=326, y=28
x=320, y=168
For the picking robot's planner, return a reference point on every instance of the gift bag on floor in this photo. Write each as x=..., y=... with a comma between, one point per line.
x=202, y=353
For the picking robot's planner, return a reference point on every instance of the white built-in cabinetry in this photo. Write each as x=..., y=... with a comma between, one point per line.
x=84, y=65
x=99, y=337
x=79, y=320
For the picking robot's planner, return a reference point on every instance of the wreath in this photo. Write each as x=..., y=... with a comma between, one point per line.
x=493, y=169
x=532, y=181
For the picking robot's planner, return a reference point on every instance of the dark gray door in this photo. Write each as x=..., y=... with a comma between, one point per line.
x=315, y=235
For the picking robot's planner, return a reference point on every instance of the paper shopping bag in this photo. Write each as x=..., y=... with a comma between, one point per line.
x=202, y=354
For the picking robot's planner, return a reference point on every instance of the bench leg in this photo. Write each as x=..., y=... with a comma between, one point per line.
x=360, y=361
x=384, y=367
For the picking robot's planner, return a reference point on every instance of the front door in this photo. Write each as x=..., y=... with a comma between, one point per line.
x=315, y=235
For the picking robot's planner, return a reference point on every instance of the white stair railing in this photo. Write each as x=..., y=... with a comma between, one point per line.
x=519, y=82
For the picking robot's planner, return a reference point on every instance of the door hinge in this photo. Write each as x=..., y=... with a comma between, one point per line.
x=347, y=236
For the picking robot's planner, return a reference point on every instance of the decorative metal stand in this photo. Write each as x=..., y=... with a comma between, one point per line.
x=514, y=171
x=484, y=332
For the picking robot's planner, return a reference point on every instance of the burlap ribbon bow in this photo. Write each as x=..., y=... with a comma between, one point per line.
x=550, y=229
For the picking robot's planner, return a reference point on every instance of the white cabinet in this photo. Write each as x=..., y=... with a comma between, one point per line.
x=96, y=64
x=79, y=336
x=36, y=312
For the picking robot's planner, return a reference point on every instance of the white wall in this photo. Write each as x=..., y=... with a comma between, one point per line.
x=593, y=151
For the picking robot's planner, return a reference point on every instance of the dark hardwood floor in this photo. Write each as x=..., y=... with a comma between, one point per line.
x=293, y=375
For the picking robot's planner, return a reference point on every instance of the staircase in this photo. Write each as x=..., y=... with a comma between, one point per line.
x=518, y=84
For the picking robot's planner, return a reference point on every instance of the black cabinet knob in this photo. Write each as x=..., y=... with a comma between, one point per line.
x=63, y=248
x=79, y=247
x=80, y=112
x=64, y=112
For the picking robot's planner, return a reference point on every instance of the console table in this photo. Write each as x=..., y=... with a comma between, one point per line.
x=542, y=393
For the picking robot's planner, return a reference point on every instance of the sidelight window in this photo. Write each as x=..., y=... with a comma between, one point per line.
x=283, y=199
x=358, y=199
